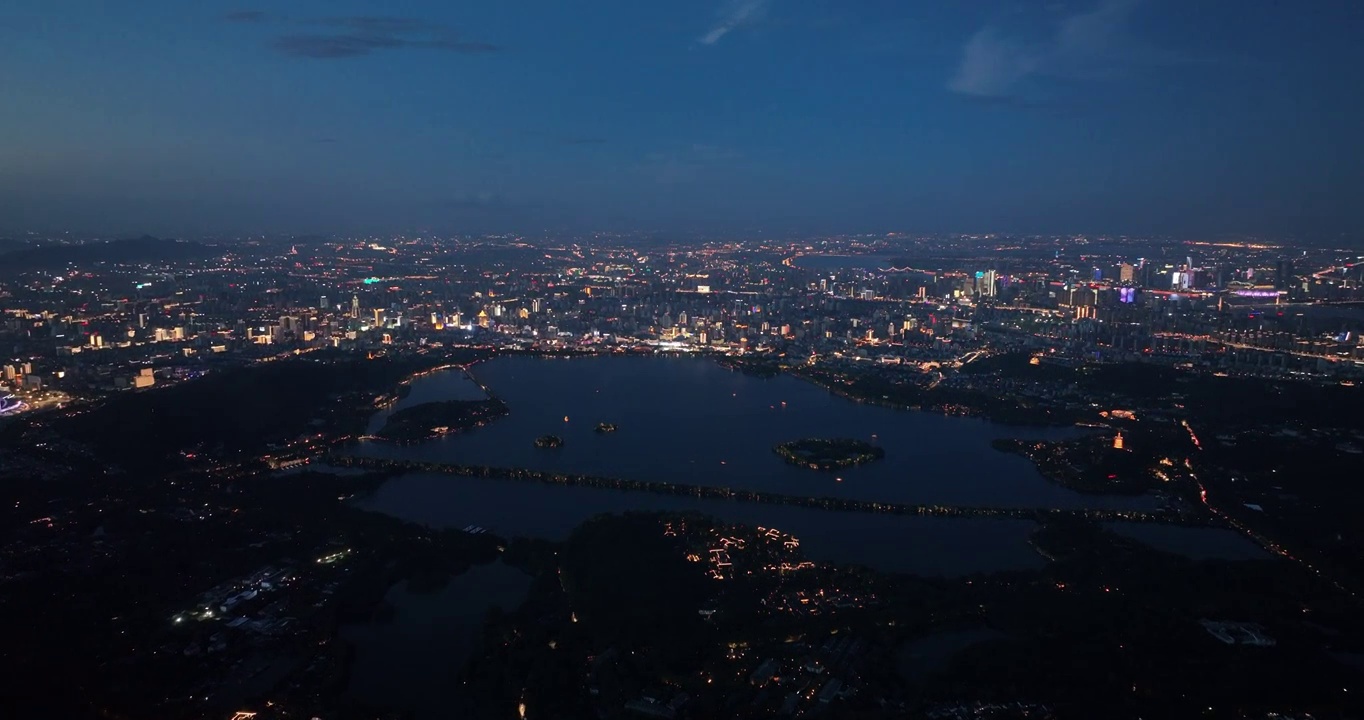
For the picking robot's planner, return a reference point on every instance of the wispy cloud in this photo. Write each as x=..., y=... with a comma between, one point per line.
x=735, y=14
x=344, y=46
x=479, y=200
x=684, y=165
x=382, y=24
x=357, y=35
x=992, y=64
x=246, y=16
x=564, y=139
x=1083, y=46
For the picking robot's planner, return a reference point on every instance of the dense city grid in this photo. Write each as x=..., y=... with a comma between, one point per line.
x=185, y=537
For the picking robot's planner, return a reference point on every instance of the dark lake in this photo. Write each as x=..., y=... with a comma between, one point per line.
x=896, y=543
x=688, y=420
x=412, y=660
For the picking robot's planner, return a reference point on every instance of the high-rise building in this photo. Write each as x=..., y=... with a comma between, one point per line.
x=1283, y=275
x=1127, y=273
x=355, y=306
x=1146, y=274
x=322, y=303
x=986, y=283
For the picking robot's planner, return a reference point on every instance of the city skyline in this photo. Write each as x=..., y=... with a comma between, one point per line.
x=785, y=464
x=727, y=117
x=993, y=360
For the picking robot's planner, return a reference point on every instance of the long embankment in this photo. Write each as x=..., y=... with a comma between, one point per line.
x=760, y=496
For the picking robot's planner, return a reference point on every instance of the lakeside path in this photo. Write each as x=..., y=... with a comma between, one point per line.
x=770, y=498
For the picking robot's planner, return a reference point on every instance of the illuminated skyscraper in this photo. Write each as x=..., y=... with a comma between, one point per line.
x=986, y=283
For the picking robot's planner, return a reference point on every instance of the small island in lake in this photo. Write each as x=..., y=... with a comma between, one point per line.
x=428, y=420
x=605, y=427
x=549, y=441
x=828, y=454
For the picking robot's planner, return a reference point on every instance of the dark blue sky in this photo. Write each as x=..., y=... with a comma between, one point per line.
x=1181, y=116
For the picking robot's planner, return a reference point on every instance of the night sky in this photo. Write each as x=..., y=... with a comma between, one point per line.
x=1170, y=116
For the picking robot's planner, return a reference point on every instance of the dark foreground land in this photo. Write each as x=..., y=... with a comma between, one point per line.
x=721, y=621
x=152, y=565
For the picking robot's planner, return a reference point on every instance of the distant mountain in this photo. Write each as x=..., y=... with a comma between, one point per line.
x=135, y=250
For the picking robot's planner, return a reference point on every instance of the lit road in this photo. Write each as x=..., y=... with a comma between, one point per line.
x=1244, y=529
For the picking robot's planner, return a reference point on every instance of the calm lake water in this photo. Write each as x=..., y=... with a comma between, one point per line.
x=688, y=420
x=910, y=544
x=412, y=660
